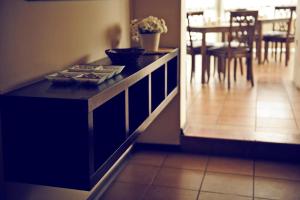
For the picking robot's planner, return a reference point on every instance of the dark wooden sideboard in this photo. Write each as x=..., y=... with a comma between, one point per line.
x=71, y=135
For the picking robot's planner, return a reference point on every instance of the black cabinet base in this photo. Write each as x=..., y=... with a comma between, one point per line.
x=70, y=136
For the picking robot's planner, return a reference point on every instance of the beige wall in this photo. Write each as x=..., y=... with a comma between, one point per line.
x=37, y=38
x=170, y=11
x=40, y=37
x=165, y=128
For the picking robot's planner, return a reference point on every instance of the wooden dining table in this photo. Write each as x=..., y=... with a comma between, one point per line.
x=223, y=27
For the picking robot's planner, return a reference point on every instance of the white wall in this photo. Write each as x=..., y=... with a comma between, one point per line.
x=43, y=36
x=297, y=49
x=183, y=66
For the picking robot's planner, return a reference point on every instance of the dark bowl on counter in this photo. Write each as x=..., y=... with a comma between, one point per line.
x=124, y=56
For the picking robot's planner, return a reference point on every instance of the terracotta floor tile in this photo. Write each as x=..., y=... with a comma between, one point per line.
x=241, y=97
x=218, y=196
x=223, y=133
x=230, y=165
x=164, y=193
x=274, y=113
x=228, y=184
x=297, y=114
x=275, y=137
x=286, y=131
x=202, y=119
x=25, y=191
x=214, y=97
x=276, y=123
x=236, y=129
x=134, y=173
x=148, y=158
x=271, y=105
x=205, y=111
x=186, y=161
x=200, y=101
x=295, y=98
x=293, y=93
x=273, y=96
x=271, y=91
x=200, y=104
x=240, y=107
x=296, y=107
x=179, y=178
x=298, y=122
x=120, y=190
x=251, y=104
x=276, y=189
x=236, y=121
x=199, y=127
x=238, y=112
x=294, y=138
x=277, y=170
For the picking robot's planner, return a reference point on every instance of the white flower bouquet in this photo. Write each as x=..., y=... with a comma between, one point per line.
x=147, y=25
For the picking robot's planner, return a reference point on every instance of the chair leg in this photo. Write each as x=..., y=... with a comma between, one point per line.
x=272, y=49
x=280, y=54
x=215, y=65
x=287, y=51
x=219, y=68
x=276, y=51
x=228, y=71
x=250, y=71
x=241, y=66
x=235, y=66
x=208, y=67
x=266, y=51
x=223, y=67
x=193, y=66
x=256, y=42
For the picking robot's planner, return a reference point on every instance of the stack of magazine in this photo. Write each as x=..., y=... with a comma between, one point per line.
x=86, y=74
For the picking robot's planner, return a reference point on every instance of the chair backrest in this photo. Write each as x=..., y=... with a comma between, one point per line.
x=242, y=28
x=192, y=18
x=284, y=12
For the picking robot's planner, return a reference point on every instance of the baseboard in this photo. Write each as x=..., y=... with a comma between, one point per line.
x=242, y=149
x=156, y=147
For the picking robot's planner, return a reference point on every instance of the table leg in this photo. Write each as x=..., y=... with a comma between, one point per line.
x=223, y=37
x=287, y=49
x=203, y=53
x=259, y=41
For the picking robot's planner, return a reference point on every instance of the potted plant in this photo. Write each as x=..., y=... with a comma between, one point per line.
x=148, y=31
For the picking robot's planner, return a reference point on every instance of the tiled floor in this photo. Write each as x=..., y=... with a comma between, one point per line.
x=270, y=111
x=175, y=176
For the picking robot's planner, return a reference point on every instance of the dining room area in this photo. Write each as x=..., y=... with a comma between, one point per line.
x=241, y=70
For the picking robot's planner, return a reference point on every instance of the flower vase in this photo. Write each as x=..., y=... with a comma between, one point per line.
x=150, y=41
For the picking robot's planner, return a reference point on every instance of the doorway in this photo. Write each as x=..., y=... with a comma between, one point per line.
x=269, y=111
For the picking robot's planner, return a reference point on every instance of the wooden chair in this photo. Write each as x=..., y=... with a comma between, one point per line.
x=240, y=43
x=281, y=33
x=194, y=39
